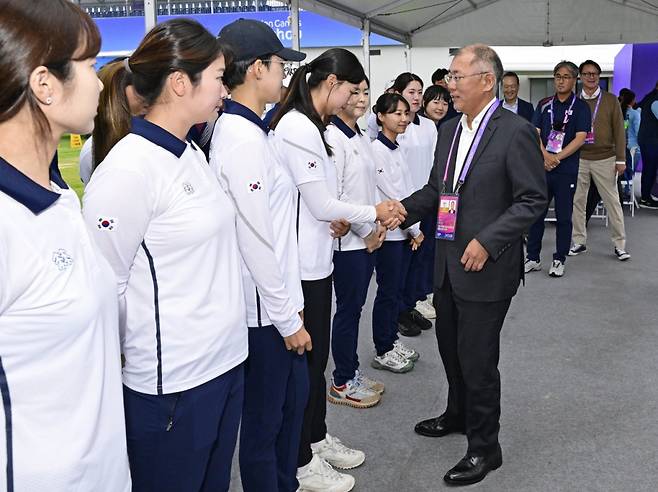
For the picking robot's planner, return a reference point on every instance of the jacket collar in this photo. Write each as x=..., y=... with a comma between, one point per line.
x=383, y=139
x=25, y=191
x=343, y=127
x=234, y=107
x=158, y=135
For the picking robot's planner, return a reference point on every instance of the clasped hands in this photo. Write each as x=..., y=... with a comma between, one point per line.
x=390, y=214
x=551, y=161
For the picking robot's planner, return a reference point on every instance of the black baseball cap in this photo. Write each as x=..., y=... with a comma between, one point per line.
x=250, y=39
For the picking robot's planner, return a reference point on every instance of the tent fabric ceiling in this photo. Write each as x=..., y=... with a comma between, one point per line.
x=500, y=22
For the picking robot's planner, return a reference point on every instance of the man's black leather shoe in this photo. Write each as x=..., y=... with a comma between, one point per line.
x=420, y=320
x=437, y=427
x=406, y=325
x=473, y=468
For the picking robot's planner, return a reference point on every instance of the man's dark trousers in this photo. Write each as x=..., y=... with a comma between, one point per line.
x=468, y=334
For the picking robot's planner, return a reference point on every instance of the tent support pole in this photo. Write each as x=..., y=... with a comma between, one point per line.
x=294, y=20
x=150, y=14
x=365, y=42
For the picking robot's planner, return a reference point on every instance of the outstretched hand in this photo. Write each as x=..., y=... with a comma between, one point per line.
x=391, y=213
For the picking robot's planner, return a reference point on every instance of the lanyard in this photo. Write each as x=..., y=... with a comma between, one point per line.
x=596, y=109
x=566, y=113
x=471, y=150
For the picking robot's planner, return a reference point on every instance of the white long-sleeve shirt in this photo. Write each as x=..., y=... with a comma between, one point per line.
x=299, y=146
x=60, y=366
x=355, y=171
x=419, y=144
x=265, y=200
x=167, y=228
x=393, y=180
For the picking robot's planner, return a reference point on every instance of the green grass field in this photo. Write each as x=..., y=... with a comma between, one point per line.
x=69, y=164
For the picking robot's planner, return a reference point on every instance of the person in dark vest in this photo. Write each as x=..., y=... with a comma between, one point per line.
x=647, y=137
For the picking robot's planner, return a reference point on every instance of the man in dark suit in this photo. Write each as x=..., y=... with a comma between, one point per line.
x=501, y=193
x=512, y=101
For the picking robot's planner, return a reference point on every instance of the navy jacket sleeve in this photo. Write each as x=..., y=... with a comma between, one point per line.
x=584, y=117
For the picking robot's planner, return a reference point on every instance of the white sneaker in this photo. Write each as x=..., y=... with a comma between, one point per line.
x=392, y=361
x=337, y=454
x=426, y=309
x=532, y=266
x=319, y=476
x=374, y=385
x=557, y=269
x=406, y=352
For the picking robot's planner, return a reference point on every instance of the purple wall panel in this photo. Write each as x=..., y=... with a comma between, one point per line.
x=636, y=67
x=623, y=68
x=645, y=69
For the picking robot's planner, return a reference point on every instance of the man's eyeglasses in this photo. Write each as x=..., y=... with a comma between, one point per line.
x=589, y=74
x=288, y=68
x=566, y=78
x=447, y=78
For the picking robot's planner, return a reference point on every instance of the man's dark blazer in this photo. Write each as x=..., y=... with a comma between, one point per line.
x=525, y=110
x=504, y=193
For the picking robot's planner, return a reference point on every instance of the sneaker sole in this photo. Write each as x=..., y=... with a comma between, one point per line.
x=624, y=259
x=575, y=253
x=376, y=365
x=351, y=403
x=555, y=275
x=347, y=467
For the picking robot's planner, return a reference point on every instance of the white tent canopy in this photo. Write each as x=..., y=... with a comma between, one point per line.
x=499, y=22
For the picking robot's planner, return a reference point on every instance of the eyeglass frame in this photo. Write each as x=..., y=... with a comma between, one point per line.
x=449, y=77
x=590, y=74
x=559, y=77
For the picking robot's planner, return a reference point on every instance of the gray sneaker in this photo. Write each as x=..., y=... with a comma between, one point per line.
x=532, y=266
x=557, y=269
x=392, y=361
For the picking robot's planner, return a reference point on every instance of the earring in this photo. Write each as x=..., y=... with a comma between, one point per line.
x=49, y=100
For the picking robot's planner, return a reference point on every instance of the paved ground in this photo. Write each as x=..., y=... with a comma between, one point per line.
x=579, y=384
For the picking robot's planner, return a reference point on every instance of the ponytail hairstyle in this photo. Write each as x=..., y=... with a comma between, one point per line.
x=338, y=61
x=175, y=45
x=404, y=79
x=388, y=103
x=626, y=98
x=34, y=33
x=107, y=126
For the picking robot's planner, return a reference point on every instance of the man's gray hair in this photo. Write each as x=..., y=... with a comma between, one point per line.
x=484, y=55
x=573, y=69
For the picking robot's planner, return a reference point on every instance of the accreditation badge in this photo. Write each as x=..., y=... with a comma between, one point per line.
x=446, y=223
x=554, y=142
x=589, y=138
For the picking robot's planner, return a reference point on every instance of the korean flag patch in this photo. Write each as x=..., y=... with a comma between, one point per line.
x=106, y=223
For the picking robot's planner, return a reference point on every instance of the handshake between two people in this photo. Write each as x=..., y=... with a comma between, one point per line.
x=390, y=214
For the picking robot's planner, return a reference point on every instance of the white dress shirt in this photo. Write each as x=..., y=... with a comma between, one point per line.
x=514, y=108
x=466, y=139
